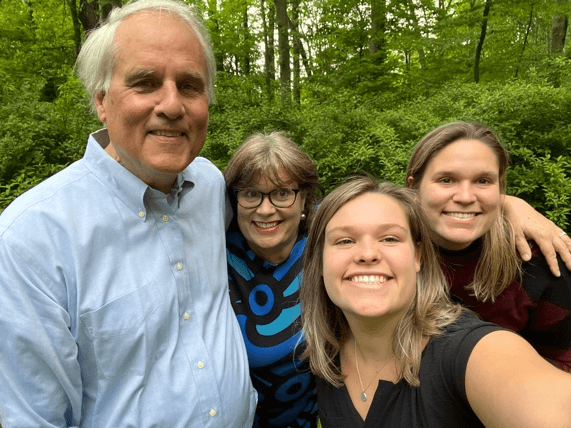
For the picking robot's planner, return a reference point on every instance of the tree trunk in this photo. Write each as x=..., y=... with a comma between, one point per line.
x=377, y=45
x=76, y=25
x=271, y=39
x=296, y=52
x=213, y=17
x=246, y=68
x=524, y=45
x=267, y=55
x=414, y=20
x=283, y=47
x=106, y=6
x=481, y=41
x=88, y=14
x=558, y=31
x=421, y=58
x=299, y=45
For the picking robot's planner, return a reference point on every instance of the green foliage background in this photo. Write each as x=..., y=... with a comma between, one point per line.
x=355, y=114
x=347, y=133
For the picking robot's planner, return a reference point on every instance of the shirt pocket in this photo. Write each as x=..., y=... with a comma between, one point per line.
x=126, y=337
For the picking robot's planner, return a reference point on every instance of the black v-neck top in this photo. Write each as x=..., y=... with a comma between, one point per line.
x=439, y=402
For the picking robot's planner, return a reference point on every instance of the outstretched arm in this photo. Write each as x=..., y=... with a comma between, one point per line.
x=528, y=223
x=509, y=384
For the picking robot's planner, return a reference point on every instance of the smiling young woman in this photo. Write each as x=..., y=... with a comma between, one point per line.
x=388, y=346
x=369, y=259
x=459, y=171
x=460, y=193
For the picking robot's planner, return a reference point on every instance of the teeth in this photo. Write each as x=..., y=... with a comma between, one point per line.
x=369, y=279
x=266, y=225
x=461, y=215
x=164, y=133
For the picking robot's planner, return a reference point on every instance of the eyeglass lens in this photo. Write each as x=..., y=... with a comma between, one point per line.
x=281, y=198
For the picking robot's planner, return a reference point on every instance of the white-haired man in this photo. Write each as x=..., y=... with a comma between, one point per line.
x=113, y=281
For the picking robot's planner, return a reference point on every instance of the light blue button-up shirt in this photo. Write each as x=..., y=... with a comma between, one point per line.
x=114, y=308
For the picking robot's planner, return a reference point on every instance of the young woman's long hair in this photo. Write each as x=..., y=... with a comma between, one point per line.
x=325, y=325
x=499, y=264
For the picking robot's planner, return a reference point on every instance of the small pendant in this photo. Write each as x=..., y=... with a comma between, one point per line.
x=363, y=396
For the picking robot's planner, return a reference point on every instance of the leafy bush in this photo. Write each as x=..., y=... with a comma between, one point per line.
x=346, y=133
x=546, y=182
x=39, y=138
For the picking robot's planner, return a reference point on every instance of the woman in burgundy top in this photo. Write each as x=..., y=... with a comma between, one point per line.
x=459, y=171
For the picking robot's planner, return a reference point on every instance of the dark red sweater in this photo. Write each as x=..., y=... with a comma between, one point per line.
x=538, y=308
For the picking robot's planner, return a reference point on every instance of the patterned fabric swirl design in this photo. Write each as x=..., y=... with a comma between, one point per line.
x=265, y=298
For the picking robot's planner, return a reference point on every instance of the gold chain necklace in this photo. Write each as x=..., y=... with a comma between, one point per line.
x=363, y=394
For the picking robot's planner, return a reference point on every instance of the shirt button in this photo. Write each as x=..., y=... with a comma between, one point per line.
x=165, y=218
x=186, y=316
x=141, y=214
x=179, y=266
x=212, y=412
x=200, y=364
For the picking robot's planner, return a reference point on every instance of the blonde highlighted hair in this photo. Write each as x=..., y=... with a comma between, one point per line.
x=325, y=325
x=499, y=264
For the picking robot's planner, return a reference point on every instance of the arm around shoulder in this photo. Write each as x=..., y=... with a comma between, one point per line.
x=528, y=223
x=508, y=384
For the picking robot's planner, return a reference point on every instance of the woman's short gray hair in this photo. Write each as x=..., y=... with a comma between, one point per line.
x=266, y=156
x=96, y=59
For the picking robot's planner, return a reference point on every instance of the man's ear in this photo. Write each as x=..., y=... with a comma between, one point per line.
x=100, y=106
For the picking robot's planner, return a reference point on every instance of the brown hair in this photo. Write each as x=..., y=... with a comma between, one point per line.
x=325, y=325
x=266, y=156
x=499, y=263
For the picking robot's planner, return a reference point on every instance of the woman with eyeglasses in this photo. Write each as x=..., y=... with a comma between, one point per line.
x=272, y=186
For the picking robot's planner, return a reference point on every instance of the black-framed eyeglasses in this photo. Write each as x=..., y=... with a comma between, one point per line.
x=279, y=198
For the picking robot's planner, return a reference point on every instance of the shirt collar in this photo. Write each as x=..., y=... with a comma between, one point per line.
x=124, y=184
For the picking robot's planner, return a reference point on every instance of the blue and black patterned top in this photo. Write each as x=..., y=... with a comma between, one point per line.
x=265, y=298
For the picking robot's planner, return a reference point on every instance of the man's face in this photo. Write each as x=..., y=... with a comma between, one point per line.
x=156, y=109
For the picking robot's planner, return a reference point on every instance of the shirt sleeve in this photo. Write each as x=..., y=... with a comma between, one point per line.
x=549, y=325
x=40, y=380
x=228, y=211
x=463, y=351
x=444, y=361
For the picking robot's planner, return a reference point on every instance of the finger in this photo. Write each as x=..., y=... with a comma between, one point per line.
x=567, y=241
x=562, y=245
x=522, y=247
x=549, y=252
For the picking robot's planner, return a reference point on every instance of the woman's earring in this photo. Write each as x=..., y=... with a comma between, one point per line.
x=303, y=216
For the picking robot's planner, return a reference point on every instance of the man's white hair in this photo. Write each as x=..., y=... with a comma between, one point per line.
x=96, y=59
